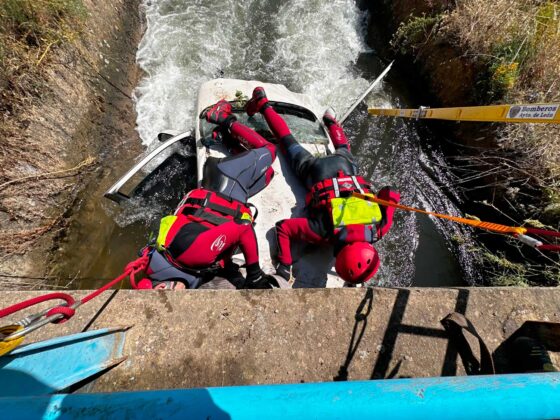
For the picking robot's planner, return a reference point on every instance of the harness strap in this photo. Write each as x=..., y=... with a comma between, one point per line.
x=357, y=184
x=360, y=186
x=201, y=205
x=200, y=213
x=205, y=203
x=336, y=188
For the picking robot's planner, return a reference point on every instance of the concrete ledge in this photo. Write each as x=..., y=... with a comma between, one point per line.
x=216, y=338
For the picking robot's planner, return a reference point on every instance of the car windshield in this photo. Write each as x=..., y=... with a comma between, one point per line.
x=303, y=124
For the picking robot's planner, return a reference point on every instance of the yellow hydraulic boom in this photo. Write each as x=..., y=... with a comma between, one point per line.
x=532, y=113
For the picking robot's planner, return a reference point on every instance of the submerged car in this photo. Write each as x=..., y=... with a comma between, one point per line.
x=283, y=198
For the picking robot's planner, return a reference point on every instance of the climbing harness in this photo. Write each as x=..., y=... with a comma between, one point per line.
x=335, y=194
x=341, y=186
x=518, y=232
x=528, y=113
x=212, y=208
x=12, y=336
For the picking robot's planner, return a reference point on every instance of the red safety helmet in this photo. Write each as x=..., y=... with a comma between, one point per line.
x=357, y=262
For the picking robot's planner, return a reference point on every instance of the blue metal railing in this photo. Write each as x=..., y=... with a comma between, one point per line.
x=528, y=396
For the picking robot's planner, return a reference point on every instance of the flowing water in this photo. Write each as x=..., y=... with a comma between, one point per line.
x=312, y=49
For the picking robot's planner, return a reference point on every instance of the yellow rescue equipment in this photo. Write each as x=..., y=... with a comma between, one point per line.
x=525, y=113
x=354, y=211
x=164, y=226
x=9, y=345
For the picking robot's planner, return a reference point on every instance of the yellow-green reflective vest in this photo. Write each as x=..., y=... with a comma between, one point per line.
x=354, y=211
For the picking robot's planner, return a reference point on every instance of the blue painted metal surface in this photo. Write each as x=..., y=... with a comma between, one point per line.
x=54, y=365
x=530, y=396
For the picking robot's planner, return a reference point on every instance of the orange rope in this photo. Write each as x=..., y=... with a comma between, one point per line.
x=494, y=227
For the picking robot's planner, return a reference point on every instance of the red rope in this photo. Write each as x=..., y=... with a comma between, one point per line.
x=67, y=311
x=35, y=301
x=547, y=247
x=543, y=232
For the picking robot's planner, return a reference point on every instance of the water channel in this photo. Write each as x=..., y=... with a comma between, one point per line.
x=317, y=50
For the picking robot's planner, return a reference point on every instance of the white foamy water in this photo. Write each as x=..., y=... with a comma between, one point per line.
x=302, y=44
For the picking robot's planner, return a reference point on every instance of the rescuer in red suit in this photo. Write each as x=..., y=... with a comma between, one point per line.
x=214, y=220
x=329, y=179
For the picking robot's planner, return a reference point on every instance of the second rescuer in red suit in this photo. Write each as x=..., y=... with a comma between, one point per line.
x=357, y=259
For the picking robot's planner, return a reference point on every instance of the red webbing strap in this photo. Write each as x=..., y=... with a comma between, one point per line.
x=543, y=232
x=547, y=247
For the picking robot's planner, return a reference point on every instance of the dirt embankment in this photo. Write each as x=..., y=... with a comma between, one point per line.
x=437, y=64
x=61, y=118
x=476, y=53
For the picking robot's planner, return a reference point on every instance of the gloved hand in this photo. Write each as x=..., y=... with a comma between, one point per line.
x=257, y=279
x=284, y=271
x=266, y=281
x=220, y=114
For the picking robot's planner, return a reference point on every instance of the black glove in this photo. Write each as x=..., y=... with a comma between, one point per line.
x=284, y=271
x=257, y=279
x=266, y=281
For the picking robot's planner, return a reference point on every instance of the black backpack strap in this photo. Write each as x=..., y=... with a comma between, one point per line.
x=456, y=325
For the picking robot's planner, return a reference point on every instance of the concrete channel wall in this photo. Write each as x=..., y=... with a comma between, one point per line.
x=218, y=338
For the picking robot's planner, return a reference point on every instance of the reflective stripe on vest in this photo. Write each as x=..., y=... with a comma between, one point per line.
x=357, y=185
x=335, y=186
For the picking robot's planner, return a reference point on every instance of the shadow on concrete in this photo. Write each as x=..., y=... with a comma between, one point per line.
x=361, y=318
x=396, y=327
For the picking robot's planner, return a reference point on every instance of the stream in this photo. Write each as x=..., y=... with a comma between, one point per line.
x=309, y=48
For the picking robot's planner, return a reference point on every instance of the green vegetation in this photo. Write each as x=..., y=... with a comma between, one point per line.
x=411, y=35
x=240, y=100
x=504, y=67
x=501, y=271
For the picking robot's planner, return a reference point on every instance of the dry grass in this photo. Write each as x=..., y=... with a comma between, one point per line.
x=29, y=30
x=519, y=39
x=517, y=42
x=30, y=173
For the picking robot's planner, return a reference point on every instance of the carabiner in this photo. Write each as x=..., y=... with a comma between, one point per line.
x=36, y=321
